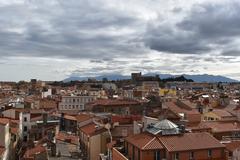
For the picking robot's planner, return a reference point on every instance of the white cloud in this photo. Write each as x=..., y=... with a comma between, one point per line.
x=52, y=39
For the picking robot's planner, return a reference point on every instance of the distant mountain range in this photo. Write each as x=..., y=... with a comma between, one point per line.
x=195, y=78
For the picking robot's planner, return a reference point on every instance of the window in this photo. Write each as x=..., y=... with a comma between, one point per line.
x=157, y=155
x=14, y=138
x=25, y=138
x=191, y=156
x=176, y=156
x=25, y=119
x=25, y=129
x=209, y=153
x=133, y=152
x=73, y=100
x=81, y=107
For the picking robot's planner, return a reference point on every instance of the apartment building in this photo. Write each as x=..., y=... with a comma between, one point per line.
x=74, y=103
x=5, y=139
x=93, y=140
x=165, y=140
x=117, y=106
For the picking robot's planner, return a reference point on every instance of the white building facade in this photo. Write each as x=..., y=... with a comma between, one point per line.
x=75, y=103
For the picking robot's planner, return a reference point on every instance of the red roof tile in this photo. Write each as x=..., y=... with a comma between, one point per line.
x=218, y=126
x=36, y=150
x=232, y=145
x=4, y=121
x=190, y=141
x=144, y=141
x=126, y=119
x=114, y=102
x=69, y=117
x=79, y=117
x=67, y=138
x=91, y=129
x=83, y=117
x=222, y=113
x=173, y=107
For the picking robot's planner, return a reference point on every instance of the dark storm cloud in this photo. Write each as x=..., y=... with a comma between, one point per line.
x=166, y=40
x=67, y=29
x=231, y=52
x=216, y=22
x=208, y=27
x=87, y=29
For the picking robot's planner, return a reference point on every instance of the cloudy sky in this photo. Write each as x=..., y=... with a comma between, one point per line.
x=55, y=39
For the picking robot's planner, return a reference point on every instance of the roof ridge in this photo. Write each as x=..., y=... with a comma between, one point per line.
x=161, y=142
x=149, y=142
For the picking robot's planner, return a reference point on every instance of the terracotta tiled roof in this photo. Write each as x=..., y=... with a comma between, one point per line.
x=83, y=117
x=114, y=102
x=78, y=117
x=16, y=109
x=144, y=141
x=167, y=113
x=232, y=145
x=222, y=113
x=189, y=104
x=36, y=118
x=153, y=144
x=176, y=109
x=36, y=150
x=67, y=138
x=37, y=111
x=190, y=141
x=15, y=121
x=69, y=117
x=91, y=129
x=4, y=121
x=125, y=119
x=218, y=126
